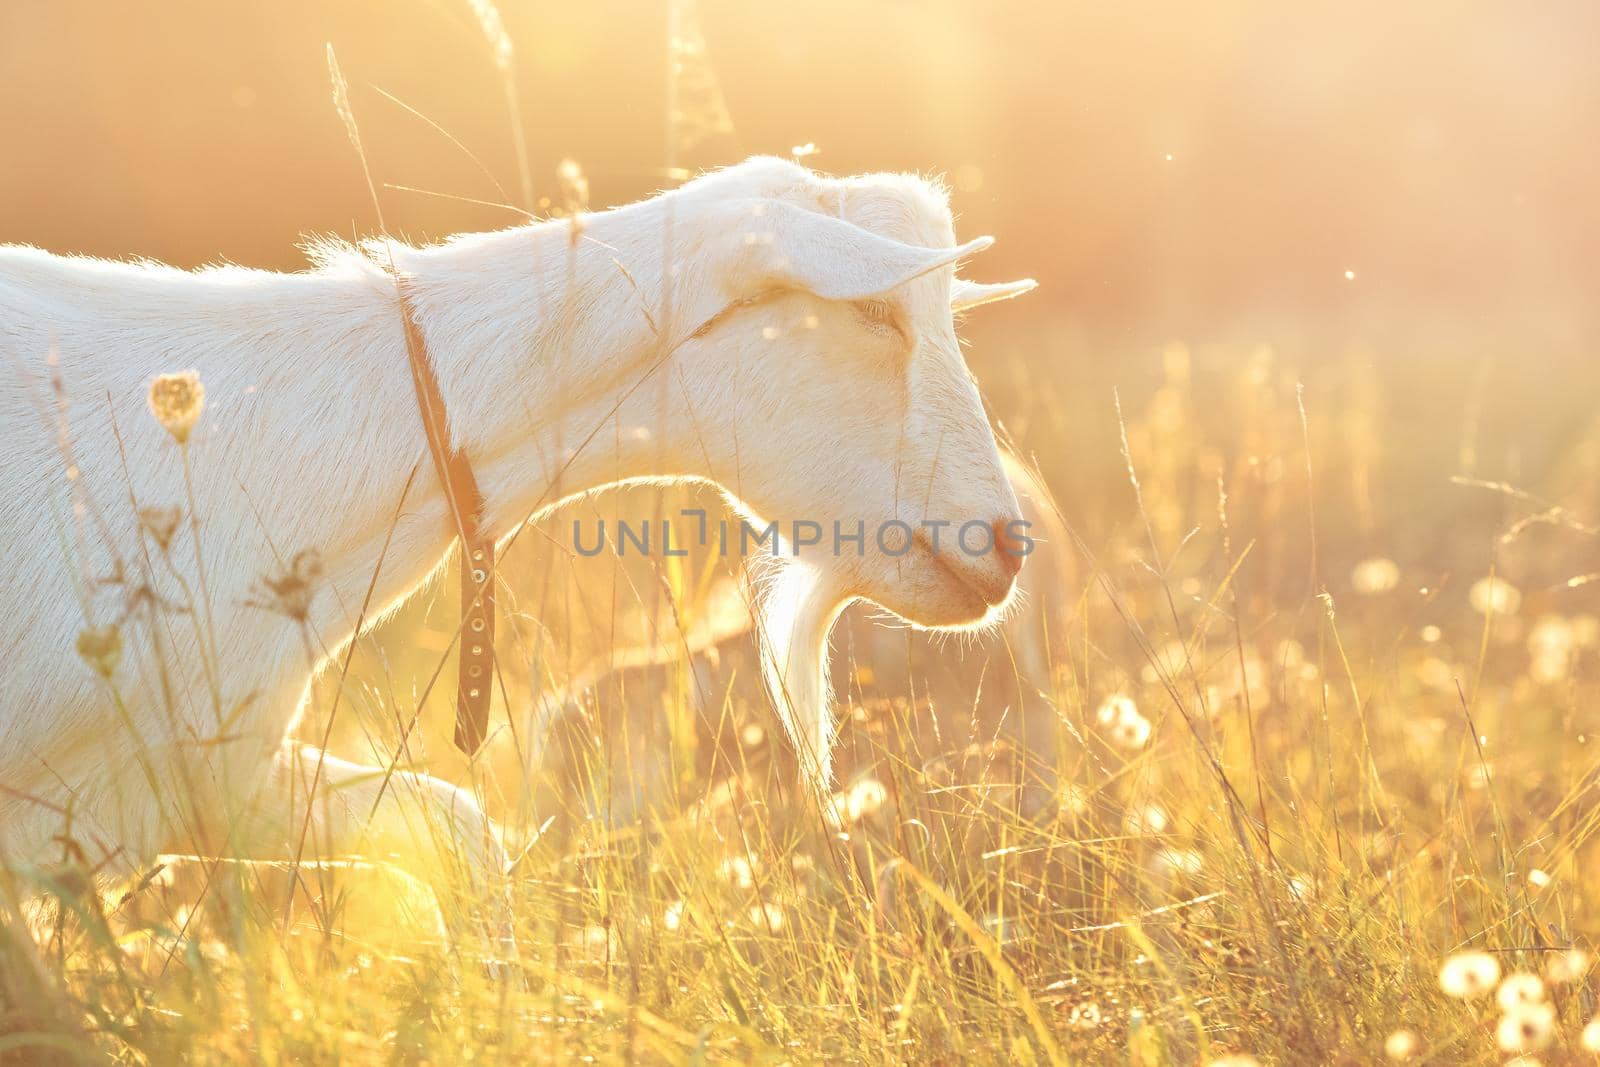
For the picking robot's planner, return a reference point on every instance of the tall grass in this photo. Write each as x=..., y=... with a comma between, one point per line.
x=1336, y=787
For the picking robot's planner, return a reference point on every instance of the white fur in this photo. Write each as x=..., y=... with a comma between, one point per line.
x=783, y=335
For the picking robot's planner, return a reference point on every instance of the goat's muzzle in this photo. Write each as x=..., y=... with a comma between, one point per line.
x=988, y=577
x=1009, y=550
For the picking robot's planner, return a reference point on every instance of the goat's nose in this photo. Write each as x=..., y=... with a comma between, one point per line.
x=1009, y=549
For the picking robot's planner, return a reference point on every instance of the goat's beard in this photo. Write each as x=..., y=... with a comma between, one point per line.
x=795, y=606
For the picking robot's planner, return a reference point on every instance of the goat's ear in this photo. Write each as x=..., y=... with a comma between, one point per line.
x=965, y=294
x=835, y=259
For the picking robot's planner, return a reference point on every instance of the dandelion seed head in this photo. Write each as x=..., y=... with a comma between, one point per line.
x=1548, y=669
x=1149, y=819
x=1180, y=861
x=1291, y=656
x=1590, y=1038
x=1526, y=1028
x=1568, y=966
x=177, y=401
x=597, y=936
x=863, y=799
x=1072, y=800
x=1115, y=708
x=1519, y=989
x=1494, y=596
x=1375, y=576
x=1131, y=733
x=1551, y=633
x=740, y=871
x=1169, y=661
x=1401, y=1045
x=1125, y=726
x=1551, y=644
x=1468, y=974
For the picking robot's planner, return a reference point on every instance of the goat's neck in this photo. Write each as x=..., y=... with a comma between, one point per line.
x=554, y=359
x=554, y=354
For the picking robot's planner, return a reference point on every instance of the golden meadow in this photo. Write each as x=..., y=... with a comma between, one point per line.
x=1310, y=379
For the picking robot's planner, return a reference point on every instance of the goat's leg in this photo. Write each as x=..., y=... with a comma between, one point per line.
x=428, y=825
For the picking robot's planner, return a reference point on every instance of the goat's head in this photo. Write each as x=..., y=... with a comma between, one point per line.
x=836, y=362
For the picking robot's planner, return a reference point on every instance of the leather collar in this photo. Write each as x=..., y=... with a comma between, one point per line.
x=475, y=673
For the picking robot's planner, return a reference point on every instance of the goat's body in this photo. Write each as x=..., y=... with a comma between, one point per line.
x=305, y=441
x=310, y=438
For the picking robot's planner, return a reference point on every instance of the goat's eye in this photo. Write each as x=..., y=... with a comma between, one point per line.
x=881, y=316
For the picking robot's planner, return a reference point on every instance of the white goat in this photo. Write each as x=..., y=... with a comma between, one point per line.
x=644, y=350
